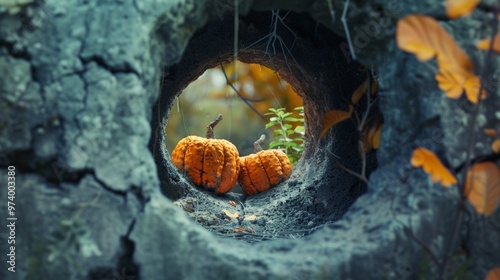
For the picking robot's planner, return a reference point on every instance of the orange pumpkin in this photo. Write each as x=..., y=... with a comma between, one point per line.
x=263, y=170
x=212, y=164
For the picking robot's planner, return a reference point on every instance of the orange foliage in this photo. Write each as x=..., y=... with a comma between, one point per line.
x=372, y=137
x=482, y=187
x=361, y=90
x=433, y=166
x=334, y=117
x=485, y=44
x=460, y=8
x=495, y=146
x=493, y=274
x=426, y=39
x=266, y=86
x=490, y=132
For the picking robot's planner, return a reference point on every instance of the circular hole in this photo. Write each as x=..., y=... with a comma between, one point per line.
x=319, y=191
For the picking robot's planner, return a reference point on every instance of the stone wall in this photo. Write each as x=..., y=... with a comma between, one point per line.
x=86, y=89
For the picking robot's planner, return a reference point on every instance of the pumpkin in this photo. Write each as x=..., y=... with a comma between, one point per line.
x=212, y=164
x=263, y=170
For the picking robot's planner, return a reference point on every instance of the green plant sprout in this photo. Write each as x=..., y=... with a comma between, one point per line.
x=288, y=132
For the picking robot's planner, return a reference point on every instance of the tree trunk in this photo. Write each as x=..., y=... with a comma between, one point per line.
x=86, y=91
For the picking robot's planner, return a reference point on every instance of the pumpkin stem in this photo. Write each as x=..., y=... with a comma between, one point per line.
x=256, y=144
x=210, y=127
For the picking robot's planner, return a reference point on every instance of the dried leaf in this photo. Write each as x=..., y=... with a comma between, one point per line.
x=232, y=203
x=485, y=44
x=495, y=146
x=482, y=187
x=239, y=229
x=450, y=83
x=453, y=83
x=460, y=8
x=432, y=166
x=334, y=117
x=490, y=132
x=413, y=34
x=250, y=218
x=493, y=274
x=249, y=229
x=425, y=38
x=371, y=139
x=375, y=139
x=234, y=215
x=359, y=92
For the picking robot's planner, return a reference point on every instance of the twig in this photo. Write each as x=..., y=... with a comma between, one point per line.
x=346, y=29
x=470, y=149
x=362, y=178
x=273, y=37
x=235, y=44
x=426, y=248
x=332, y=12
x=244, y=99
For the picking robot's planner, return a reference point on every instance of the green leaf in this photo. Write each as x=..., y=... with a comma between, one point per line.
x=292, y=119
x=274, y=144
x=278, y=132
x=290, y=144
x=268, y=125
x=287, y=126
x=299, y=128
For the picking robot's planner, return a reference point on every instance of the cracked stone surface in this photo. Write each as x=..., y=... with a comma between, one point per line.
x=85, y=91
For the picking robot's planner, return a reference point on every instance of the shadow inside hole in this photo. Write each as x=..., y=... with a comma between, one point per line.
x=318, y=191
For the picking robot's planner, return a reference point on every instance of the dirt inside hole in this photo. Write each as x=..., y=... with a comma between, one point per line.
x=318, y=191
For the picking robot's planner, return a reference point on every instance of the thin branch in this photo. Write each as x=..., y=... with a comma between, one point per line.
x=244, y=99
x=236, y=28
x=426, y=248
x=332, y=12
x=470, y=149
x=352, y=172
x=346, y=29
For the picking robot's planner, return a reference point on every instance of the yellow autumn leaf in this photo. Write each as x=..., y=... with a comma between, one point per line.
x=495, y=146
x=450, y=83
x=454, y=83
x=412, y=36
x=375, y=139
x=493, y=274
x=431, y=164
x=371, y=138
x=490, y=132
x=334, y=117
x=482, y=187
x=425, y=38
x=359, y=92
x=460, y=8
x=485, y=44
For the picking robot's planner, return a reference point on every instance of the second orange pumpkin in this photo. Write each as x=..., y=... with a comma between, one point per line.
x=263, y=170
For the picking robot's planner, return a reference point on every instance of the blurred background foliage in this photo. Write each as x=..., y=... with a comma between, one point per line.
x=209, y=95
